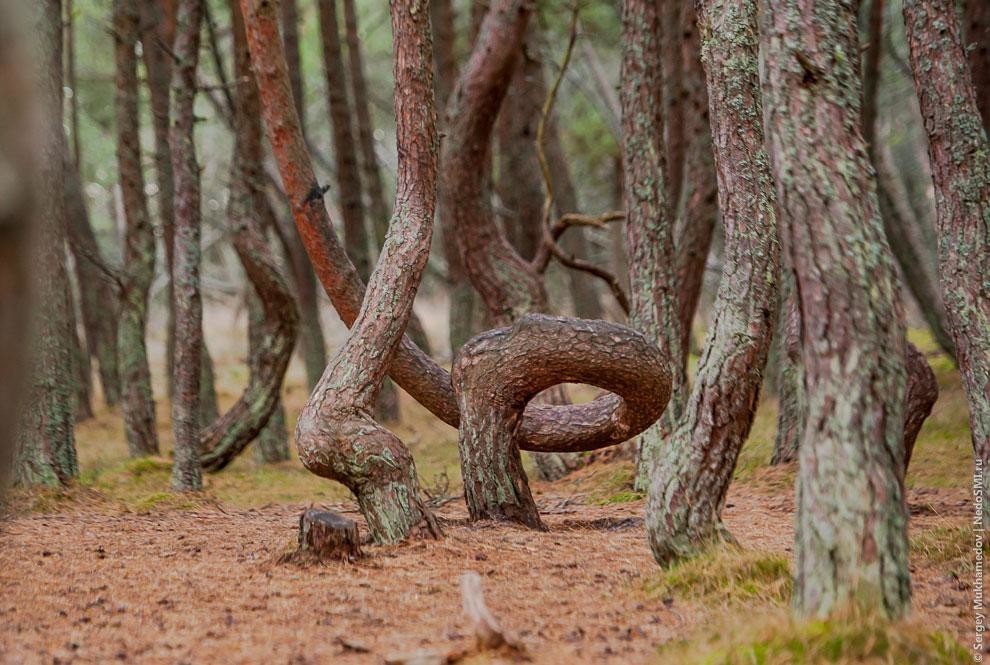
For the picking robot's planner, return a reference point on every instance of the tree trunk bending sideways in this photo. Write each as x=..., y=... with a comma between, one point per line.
x=498, y=372
x=851, y=536
x=649, y=222
x=960, y=158
x=336, y=435
x=137, y=400
x=694, y=469
x=544, y=427
x=275, y=331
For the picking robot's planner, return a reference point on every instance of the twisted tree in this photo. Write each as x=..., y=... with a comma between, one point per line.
x=960, y=158
x=851, y=536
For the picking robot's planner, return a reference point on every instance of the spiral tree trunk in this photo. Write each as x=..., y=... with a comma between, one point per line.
x=851, y=535
x=960, y=158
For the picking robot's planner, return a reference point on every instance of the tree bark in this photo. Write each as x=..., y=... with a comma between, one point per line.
x=336, y=436
x=272, y=443
x=345, y=152
x=46, y=451
x=649, y=223
x=187, y=302
x=274, y=320
x=312, y=344
x=851, y=536
x=960, y=158
x=672, y=81
x=328, y=535
x=696, y=223
x=139, y=244
x=97, y=299
x=693, y=472
x=978, y=46
x=18, y=218
x=498, y=372
x=82, y=368
x=790, y=382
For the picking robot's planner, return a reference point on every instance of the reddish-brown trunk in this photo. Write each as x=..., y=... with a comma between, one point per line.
x=978, y=46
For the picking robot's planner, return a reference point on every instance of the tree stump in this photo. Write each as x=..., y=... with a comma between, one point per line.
x=328, y=535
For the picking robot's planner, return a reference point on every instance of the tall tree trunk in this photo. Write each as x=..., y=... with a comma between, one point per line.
x=672, y=81
x=97, y=299
x=696, y=223
x=46, y=451
x=960, y=158
x=273, y=325
x=272, y=444
x=18, y=217
x=851, y=535
x=978, y=46
x=345, y=150
x=312, y=345
x=187, y=302
x=336, y=436
x=139, y=244
x=693, y=472
x=82, y=368
x=649, y=222
x=790, y=380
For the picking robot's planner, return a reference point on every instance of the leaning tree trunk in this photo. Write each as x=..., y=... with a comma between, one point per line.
x=187, y=302
x=46, y=450
x=960, y=158
x=272, y=442
x=273, y=333
x=597, y=424
x=18, y=157
x=336, y=436
x=97, y=299
x=693, y=471
x=851, y=535
x=649, y=222
x=137, y=401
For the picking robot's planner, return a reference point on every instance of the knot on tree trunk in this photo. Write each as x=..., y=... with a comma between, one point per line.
x=498, y=372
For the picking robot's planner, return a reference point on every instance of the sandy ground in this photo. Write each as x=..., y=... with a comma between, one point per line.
x=207, y=586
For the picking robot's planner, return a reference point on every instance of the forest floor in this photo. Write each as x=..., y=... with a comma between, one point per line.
x=118, y=569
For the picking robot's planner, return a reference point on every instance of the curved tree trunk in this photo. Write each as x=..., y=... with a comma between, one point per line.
x=960, y=158
x=46, y=451
x=139, y=244
x=498, y=372
x=186, y=253
x=649, y=223
x=274, y=320
x=851, y=536
x=97, y=299
x=693, y=472
x=336, y=436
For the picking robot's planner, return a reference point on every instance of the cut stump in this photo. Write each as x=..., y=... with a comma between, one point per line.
x=328, y=535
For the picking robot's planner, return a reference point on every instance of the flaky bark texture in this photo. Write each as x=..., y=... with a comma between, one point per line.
x=960, y=158
x=274, y=322
x=919, y=399
x=790, y=379
x=978, y=46
x=46, y=451
x=649, y=222
x=186, y=300
x=18, y=157
x=336, y=435
x=97, y=299
x=345, y=149
x=498, y=372
x=851, y=535
x=696, y=223
x=328, y=535
x=139, y=244
x=443, y=21
x=694, y=469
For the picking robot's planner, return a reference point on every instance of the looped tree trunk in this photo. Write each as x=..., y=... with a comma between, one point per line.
x=498, y=372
